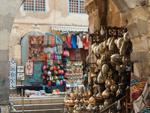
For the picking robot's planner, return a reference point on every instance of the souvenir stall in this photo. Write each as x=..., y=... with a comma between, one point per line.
x=53, y=68
x=75, y=49
x=53, y=59
x=109, y=68
x=42, y=57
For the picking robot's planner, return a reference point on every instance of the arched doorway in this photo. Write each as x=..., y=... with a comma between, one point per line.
x=34, y=78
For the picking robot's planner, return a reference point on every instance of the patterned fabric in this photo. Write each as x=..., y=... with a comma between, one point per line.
x=58, y=40
x=36, y=44
x=29, y=68
x=68, y=41
x=51, y=40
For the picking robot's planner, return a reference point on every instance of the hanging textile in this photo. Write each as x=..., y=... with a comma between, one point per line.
x=86, y=42
x=58, y=40
x=79, y=42
x=36, y=44
x=51, y=40
x=74, y=41
x=29, y=67
x=68, y=41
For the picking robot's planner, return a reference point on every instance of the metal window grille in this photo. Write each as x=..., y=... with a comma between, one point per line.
x=35, y=5
x=82, y=8
x=73, y=6
x=76, y=6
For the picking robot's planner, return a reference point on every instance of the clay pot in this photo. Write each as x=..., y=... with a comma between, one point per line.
x=109, y=82
x=105, y=69
x=76, y=101
x=93, y=75
x=89, y=93
x=99, y=98
x=101, y=48
x=98, y=62
x=106, y=93
x=119, y=42
x=71, y=102
x=100, y=78
x=89, y=107
x=85, y=95
x=116, y=58
x=72, y=95
x=113, y=88
x=92, y=100
x=107, y=102
x=111, y=44
x=86, y=102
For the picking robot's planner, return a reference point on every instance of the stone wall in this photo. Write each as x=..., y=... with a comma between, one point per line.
x=7, y=14
x=137, y=15
x=57, y=12
x=133, y=14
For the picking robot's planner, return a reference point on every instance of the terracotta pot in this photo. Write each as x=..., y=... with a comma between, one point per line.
x=109, y=82
x=115, y=58
x=113, y=88
x=72, y=95
x=105, y=69
x=89, y=107
x=100, y=78
x=106, y=93
x=99, y=97
x=92, y=100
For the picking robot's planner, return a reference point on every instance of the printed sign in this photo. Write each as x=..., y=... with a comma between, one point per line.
x=20, y=69
x=20, y=76
x=12, y=74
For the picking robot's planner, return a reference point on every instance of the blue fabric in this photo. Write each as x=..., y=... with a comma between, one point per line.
x=58, y=40
x=74, y=41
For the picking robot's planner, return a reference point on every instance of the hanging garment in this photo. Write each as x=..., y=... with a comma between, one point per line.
x=58, y=40
x=85, y=42
x=60, y=49
x=79, y=42
x=52, y=40
x=68, y=41
x=74, y=41
x=29, y=68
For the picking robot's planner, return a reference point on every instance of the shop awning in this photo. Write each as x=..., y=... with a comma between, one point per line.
x=69, y=28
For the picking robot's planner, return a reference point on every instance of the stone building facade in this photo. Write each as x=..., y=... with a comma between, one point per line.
x=56, y=13
x=131, y=14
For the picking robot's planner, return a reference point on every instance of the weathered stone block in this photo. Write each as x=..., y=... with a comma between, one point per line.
x=140, y=44
x=7, y=14
x=138, y=28
x=141, y=69
x=121, y=4
x=133, y=31
x=4, y=67
x=140, y=13
x=3, y=55
x=140, y=56
x=131, y=3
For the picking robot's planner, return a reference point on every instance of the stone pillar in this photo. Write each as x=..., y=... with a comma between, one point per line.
x=136, y=12
x=8, y=11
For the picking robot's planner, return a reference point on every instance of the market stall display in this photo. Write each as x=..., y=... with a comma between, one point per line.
x=48, y=57
x=74, y=57
x=108, y=73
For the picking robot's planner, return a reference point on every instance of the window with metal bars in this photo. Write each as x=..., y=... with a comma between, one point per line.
x=35, y=5
x=76, y=6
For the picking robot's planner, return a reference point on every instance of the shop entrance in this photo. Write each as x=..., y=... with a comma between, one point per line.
x=34, y=78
